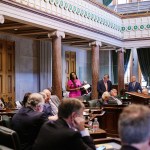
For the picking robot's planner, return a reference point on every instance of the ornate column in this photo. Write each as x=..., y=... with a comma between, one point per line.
x=95, y=67
x=56, y=62
x=120, y=69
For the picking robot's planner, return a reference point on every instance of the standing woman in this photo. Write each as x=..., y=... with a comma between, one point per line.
x=74, y=85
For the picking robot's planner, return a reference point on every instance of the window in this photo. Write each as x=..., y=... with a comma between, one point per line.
x=143, y=82
x=128, y=72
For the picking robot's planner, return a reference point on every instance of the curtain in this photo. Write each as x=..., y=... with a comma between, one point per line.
x=106, y=2
x=144, y=61
x=126, y=59
x=115, y=63
x=115, y=66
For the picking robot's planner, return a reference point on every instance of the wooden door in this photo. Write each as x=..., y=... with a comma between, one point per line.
x=7, y=88
x=70, y=58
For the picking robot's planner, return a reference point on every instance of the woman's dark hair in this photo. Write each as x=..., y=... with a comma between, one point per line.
x=72, y=79
x=26, y=96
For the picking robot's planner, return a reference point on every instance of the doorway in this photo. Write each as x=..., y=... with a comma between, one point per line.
x=7, y=76
x=70, y=58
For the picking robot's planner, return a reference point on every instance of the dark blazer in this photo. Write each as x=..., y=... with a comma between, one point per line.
x=135, y=88
x=57, y=135
x=27, y=124
x=127, y=147
x=101, y=87
x=47, y=109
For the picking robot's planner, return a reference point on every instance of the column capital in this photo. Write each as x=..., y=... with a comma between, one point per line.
x=95, y=43
x=56, y=34
x=122, y=50
x=2, y=19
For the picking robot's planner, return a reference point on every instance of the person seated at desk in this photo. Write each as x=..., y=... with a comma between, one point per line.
x=66, y=133
x=29, y=119
x=145, y=91
x=104, y=100
x=134, y=86
x=2, y=106
x=114, y=98
x=134, y=128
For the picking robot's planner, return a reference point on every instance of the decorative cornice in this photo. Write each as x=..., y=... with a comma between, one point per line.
x=84, y=13
x=135, y=15
x=2, y=19
x=35, y=11
x=95, y=43
x=56, y=34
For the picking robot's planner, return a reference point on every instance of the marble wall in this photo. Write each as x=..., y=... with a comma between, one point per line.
x=26, y=65
x=33, y=64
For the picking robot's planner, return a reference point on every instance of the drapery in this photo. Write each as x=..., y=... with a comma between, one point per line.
x=107, y=2
x=115, y=63
x=144, y=61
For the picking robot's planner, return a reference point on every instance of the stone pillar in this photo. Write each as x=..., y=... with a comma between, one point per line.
x=120, y=69
x=56, y=62
x=95, y=67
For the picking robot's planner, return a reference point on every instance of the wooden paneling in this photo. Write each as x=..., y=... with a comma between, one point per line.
x=7, y=72
x=70, y=58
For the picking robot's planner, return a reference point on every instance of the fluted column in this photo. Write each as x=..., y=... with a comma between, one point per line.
x=56, y=62
x=95, y=67
x=120, y=69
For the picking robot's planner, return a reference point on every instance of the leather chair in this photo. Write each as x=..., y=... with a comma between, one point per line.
x=4, y=148
x=92, y=103
x=9, y=138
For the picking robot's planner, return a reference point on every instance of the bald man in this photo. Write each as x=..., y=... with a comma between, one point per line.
x=134, y=86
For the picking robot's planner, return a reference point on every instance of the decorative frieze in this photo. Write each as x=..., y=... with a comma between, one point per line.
x=80, y=12
x=138, y=27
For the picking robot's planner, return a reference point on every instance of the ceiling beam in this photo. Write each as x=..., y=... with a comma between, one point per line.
x=5, y=27
x=74, y=41
x=33, y=33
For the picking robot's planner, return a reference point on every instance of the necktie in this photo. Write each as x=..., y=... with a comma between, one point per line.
x=133, y=84
x=106, y=86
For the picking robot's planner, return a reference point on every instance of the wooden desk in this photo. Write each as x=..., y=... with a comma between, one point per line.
x=139, y=98
x=109, y=119
x=98, y=134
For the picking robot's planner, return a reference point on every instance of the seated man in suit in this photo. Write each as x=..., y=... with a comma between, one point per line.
x=104, y=85
x=114, y=98
x=104, y=100
x=29, y=119
x=134, y=86
x=66, y=133
x=134, y=128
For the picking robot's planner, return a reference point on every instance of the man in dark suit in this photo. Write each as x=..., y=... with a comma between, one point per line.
x=104, y=85
x=67, y=132
x=28, y=121
x=134, y=86
x=134, y=128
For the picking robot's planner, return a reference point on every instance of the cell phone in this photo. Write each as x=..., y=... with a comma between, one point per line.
x=101, y=148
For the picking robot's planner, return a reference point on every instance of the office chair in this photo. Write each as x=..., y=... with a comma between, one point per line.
x=9, y=138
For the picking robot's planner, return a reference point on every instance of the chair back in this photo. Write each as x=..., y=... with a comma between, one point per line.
x=9, y=138
x=92, y=103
